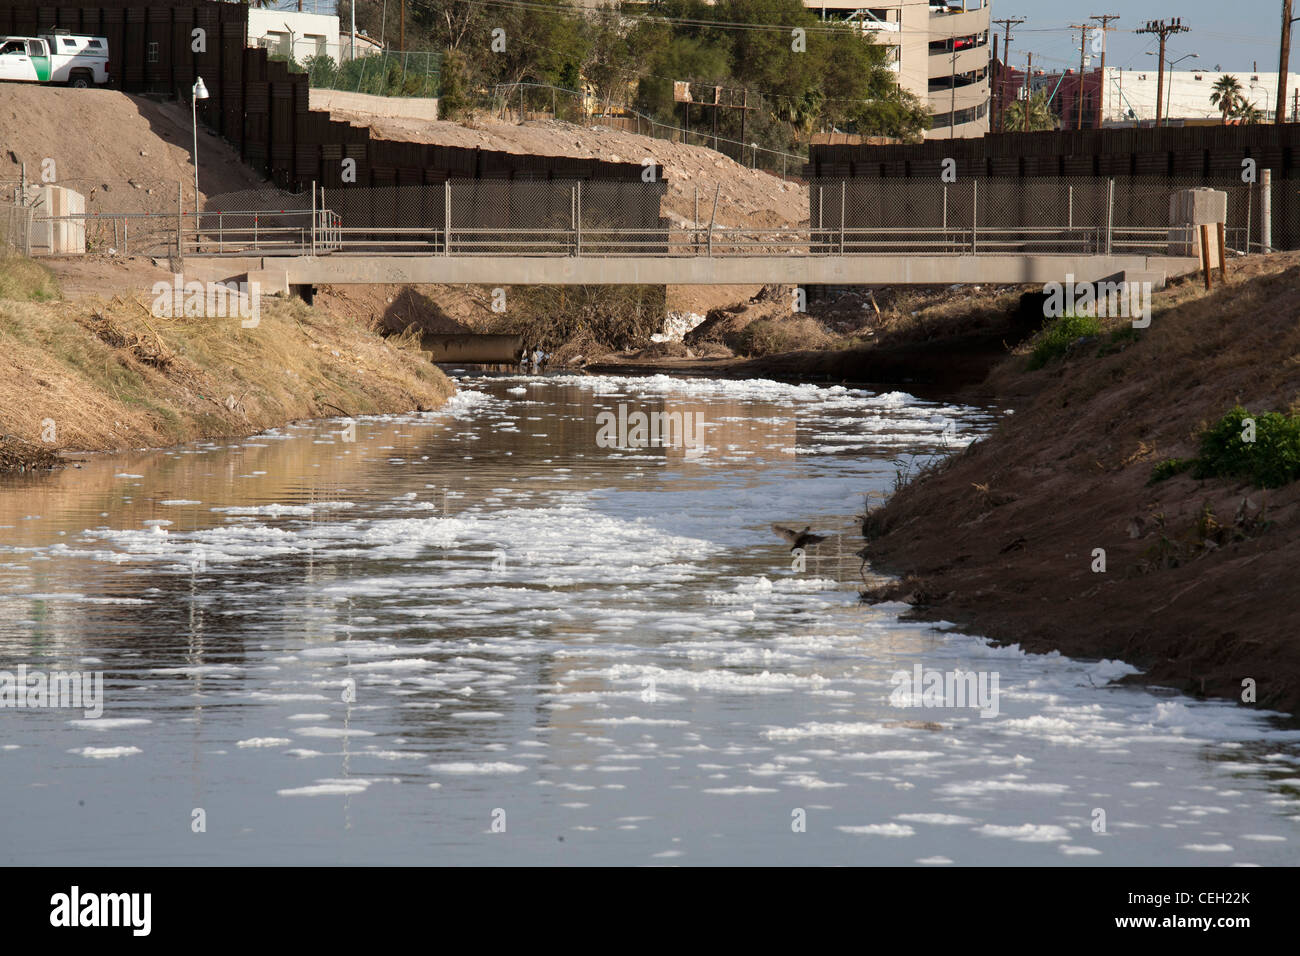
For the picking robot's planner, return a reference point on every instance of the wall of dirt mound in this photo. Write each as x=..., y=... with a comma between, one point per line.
x=1198, y=574
x=746, y=197
x=723, y=325
x=124, y=153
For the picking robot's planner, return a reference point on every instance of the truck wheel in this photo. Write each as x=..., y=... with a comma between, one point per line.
x=81, y=81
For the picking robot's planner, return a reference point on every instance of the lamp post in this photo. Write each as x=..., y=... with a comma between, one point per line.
x=1169, y=95
x=200, y=92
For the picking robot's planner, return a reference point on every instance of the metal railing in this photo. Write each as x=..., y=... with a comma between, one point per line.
x=742, y=242
x=604, y=219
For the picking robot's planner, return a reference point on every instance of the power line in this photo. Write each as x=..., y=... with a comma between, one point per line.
x=1163, y=30
x=1007, y=23
x=1105, y=19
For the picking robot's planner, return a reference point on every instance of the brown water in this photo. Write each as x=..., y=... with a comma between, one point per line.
x=479, y=636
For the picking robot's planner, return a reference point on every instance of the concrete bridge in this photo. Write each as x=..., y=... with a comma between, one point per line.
x=280, y=274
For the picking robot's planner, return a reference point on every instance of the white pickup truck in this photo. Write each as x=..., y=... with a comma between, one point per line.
x=80, y=61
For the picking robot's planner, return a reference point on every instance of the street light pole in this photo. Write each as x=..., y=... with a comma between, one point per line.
x=200, y=92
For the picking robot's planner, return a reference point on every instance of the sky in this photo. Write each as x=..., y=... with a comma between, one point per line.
x=1231, y=35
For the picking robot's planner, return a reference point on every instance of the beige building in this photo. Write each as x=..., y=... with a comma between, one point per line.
x=940, y=52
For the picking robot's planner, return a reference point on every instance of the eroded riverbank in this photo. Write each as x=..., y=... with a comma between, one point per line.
x=1199, y=586
x=105, y=374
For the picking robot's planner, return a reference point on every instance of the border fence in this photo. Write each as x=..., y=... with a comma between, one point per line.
x=579, y=218
x=1083, y=215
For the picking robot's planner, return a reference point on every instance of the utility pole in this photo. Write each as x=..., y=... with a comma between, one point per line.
x=1284, y=61
x=1007, y=24
x=1163, y=30
x=1105, y=19
x=1083, y=48
x=1029, y=88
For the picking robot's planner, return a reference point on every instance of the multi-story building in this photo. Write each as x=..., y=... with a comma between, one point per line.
x=1126, y=97
x=939, y=50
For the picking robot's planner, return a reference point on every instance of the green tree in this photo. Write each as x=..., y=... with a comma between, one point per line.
x=1040, y=113
x=1226, y=94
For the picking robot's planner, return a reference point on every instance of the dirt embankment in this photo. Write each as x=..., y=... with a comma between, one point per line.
x=1199, y=586
x=103, y=373
x=125, y=153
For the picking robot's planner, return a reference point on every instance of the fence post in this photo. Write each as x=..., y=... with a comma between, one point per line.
x=974, y=216
x=713, y=216
x=1250, y=201
x=821, y=219
x=313, y=218
x=1266, y=211
x=1110, y=214
x=843, y=184
x=446, y=217
x=695, y=220
x=1069, y=207
x=179, y=249
x=577, y=219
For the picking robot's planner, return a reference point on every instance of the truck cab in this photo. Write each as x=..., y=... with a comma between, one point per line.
x=80, y=61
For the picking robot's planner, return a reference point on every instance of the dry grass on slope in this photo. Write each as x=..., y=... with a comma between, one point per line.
x=110, y=375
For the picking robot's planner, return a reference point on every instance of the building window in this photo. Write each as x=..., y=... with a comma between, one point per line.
x=152, y=54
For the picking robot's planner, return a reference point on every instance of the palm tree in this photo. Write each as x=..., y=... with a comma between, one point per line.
x=1248, y=112
x=1226, y=95
x=1040, y=114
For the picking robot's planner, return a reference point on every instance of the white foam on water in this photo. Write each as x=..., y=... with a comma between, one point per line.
x=101, y=753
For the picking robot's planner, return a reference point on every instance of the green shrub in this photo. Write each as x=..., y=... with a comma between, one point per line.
x=1055, y=339
x=1270, y=461
x=1170, y=467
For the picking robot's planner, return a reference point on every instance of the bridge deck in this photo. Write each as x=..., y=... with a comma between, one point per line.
x=277, y=274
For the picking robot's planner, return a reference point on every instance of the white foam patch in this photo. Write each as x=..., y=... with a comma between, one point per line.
x=464, y=767
x=1026, y=832
x=110, y=723
x=263, y=742
x=879, y=829
x=102, y=753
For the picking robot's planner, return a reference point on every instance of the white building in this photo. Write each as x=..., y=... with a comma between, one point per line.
x=292, y=34
x=304, y=35
x=1130, y=95
x=939, y=50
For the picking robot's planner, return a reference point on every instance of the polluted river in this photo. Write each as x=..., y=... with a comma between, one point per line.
x=509, y=632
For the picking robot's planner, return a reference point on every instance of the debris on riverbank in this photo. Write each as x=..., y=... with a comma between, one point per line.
x=1052, y=534
x=102, y=374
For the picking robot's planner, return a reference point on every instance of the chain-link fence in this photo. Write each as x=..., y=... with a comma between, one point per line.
x=989, y=215
x=15, y=228
x=363, y=69
x=154, y=217
x=487, y=216
x=117, y=217
x=525, y=101
x=265, y=220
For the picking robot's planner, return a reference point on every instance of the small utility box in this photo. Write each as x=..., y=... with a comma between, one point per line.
x=1189, y=209
x=52, y=234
